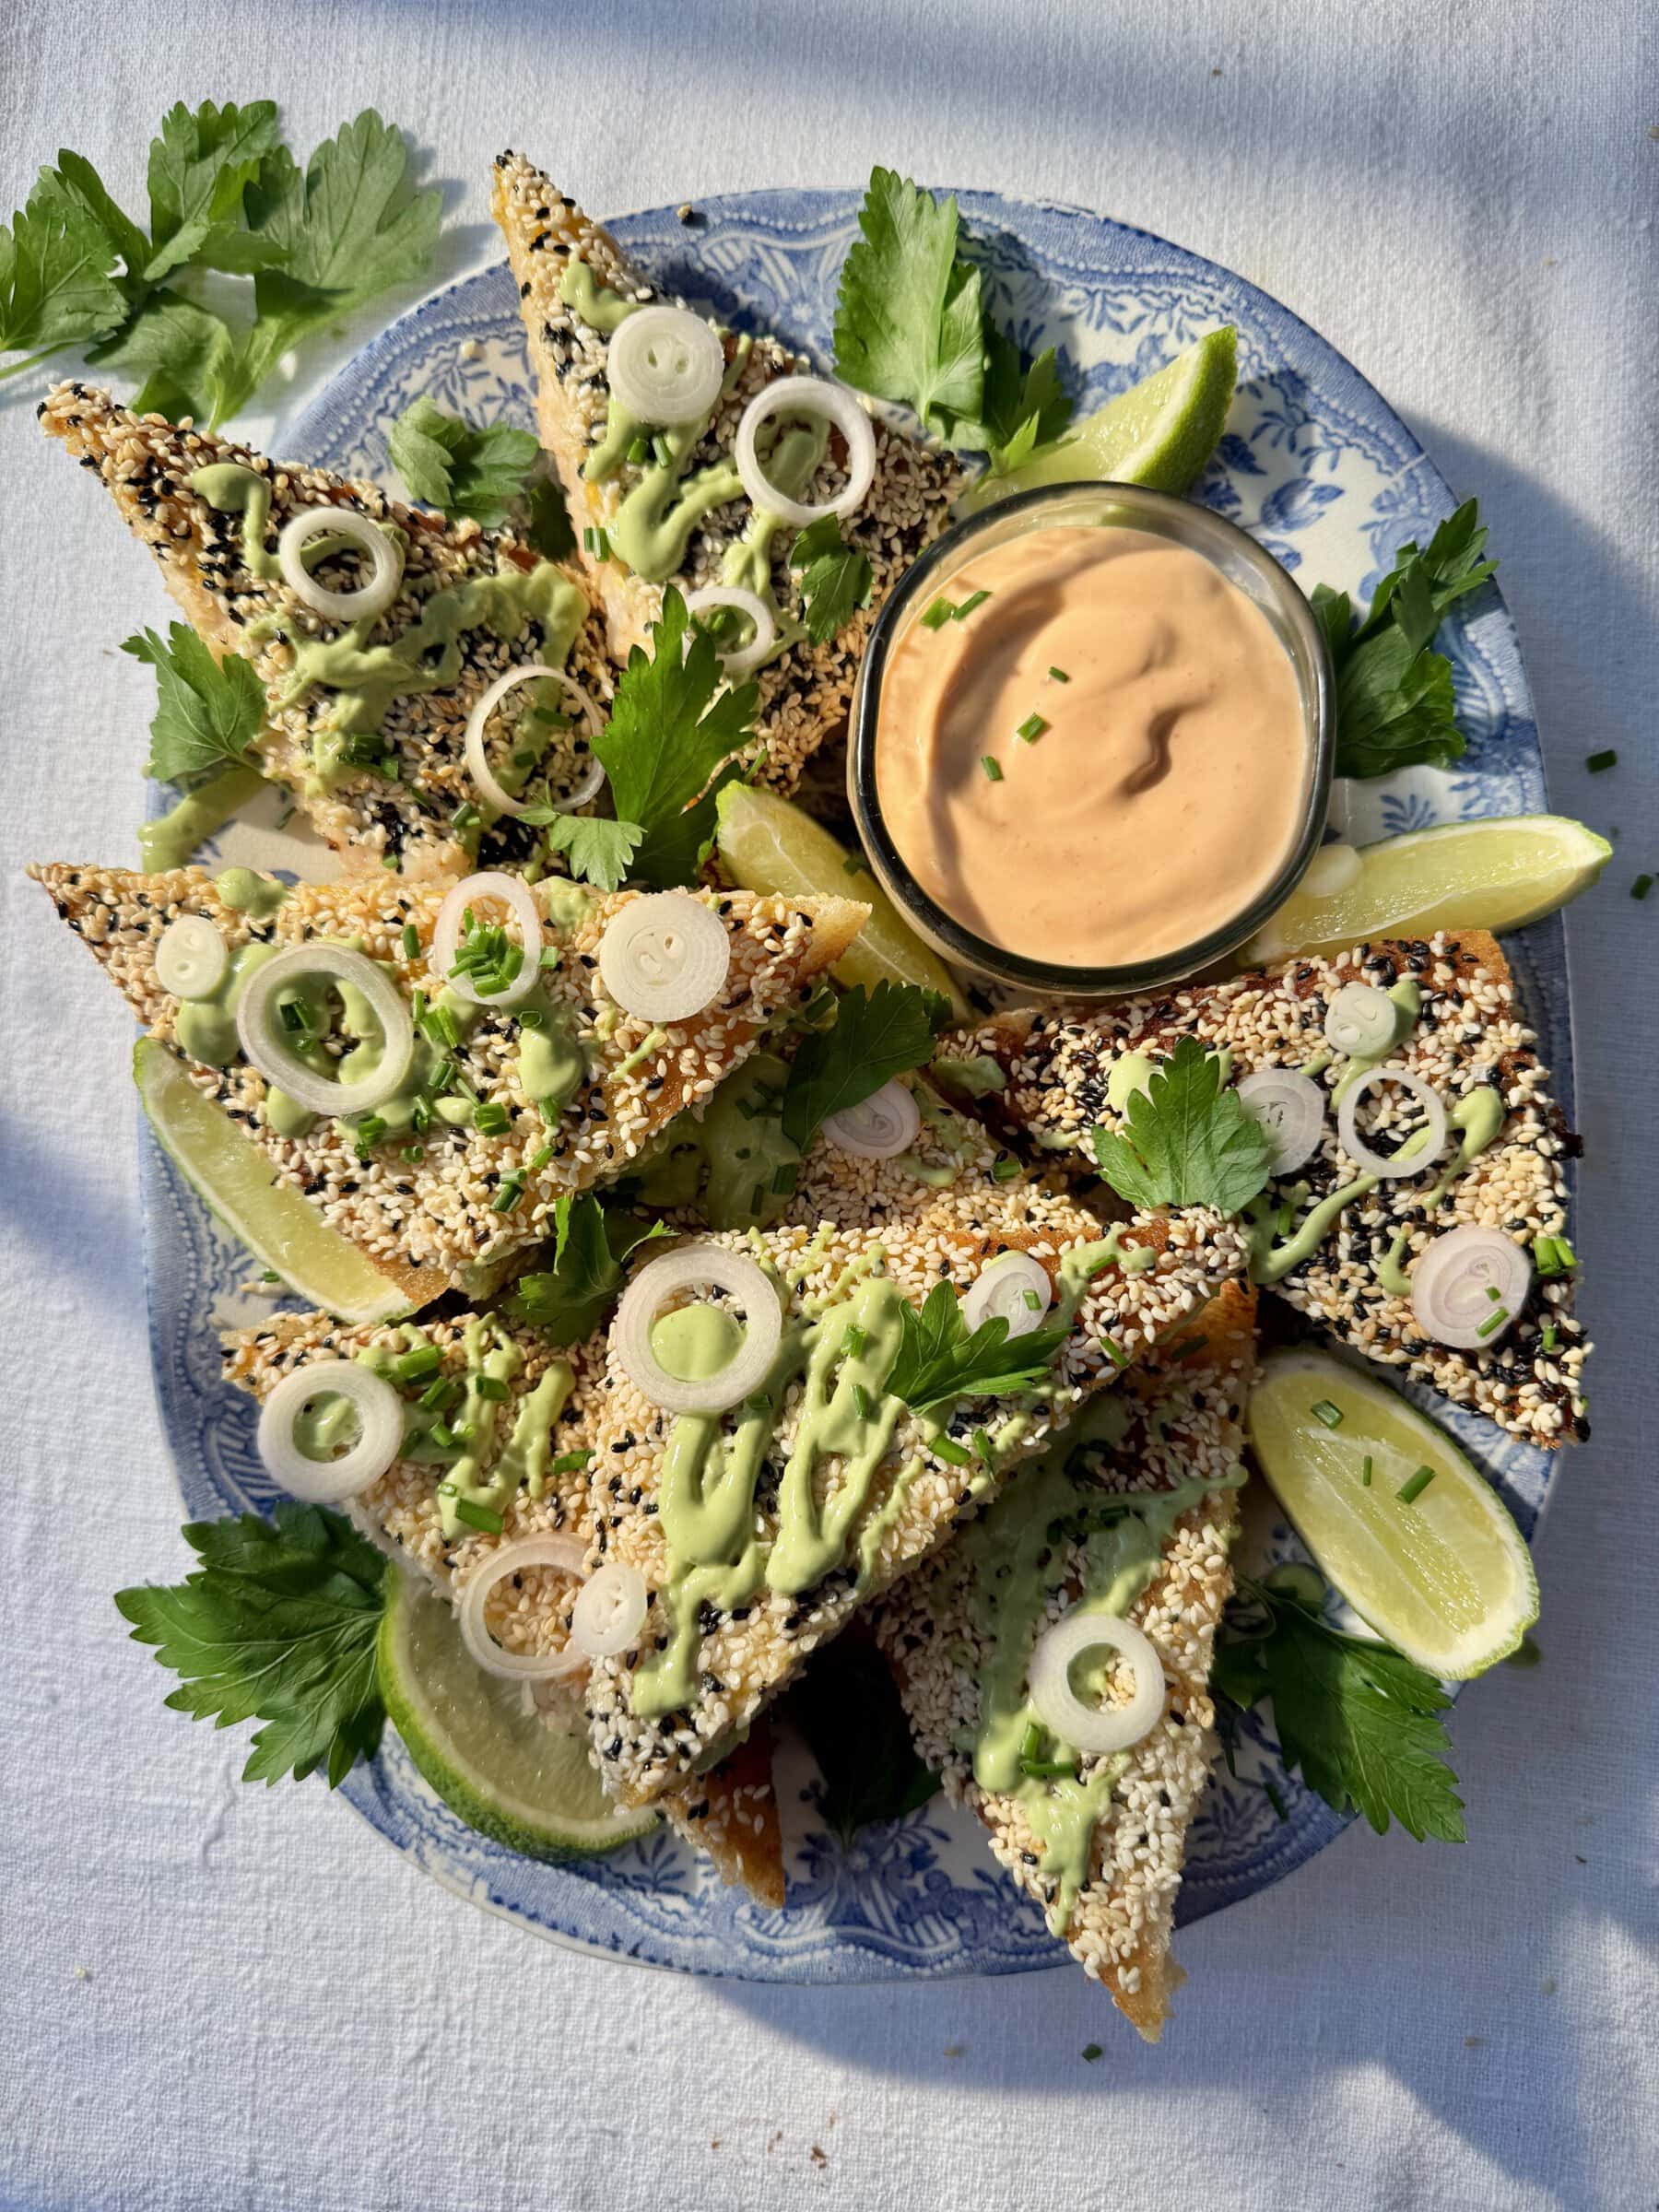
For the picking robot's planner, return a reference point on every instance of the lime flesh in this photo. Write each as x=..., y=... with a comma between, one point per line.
x=504, y=1771
x=1497, y=875
x=234, y=1178
x=1446, y=1578
x=1160, y=432
x=767, y=845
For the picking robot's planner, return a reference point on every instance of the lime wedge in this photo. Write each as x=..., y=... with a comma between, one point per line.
x=1446, y=1576
x=1496, y=874
x=1160, y=432
x=766, y=844
x=504, y=1771
x=229, y=1171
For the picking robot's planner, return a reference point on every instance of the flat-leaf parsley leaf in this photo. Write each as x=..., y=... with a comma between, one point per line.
x=835, y=578
x=207, y=712
x=449, y=464
x=871, y=1040
x=1188, y=1141
x=939, y=1360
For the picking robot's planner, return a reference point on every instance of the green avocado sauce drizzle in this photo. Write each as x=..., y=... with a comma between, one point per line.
x=426, y=655
x=169, y=841
x=1007, y=1569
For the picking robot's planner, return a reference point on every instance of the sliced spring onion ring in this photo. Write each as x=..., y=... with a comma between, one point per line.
x=1089, y=1727
x=380, y=1431
x=265, y=1046
x=1418, y=1154
x=472, y=891
x=1014, y=1287
x=665, y=365
x=610, y=1607
x=700, y=1267
x=738, y=660
x=1468, y=1286
x=879, y=1128
x=807, y=396
x=1331, y=870
x=386, y=572
x=191, y=958
x=1292, y=1109
x=561, y=1552
x=1361, y=1020
x=477, y=760
x=664, y=957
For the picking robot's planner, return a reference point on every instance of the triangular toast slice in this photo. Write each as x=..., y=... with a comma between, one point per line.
x=1100, y=1847
x=437, y=1202
x=805, y=691
x=1045, y=1075
x=373, y=756
x=535, y=1476
x=828, y=1525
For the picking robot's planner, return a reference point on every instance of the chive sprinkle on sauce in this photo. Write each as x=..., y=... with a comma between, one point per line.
x=973, y=599
x=1365, y=1472
x=1596, y=762
x=1322, y=1410
x=1493, y=1320
x=1412, y=1489
x=1030, y=729
x=991, y=766
x=939, y=613
x=1059, y=675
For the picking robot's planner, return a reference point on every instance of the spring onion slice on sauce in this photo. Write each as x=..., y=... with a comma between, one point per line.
x=1417, y=1153
x=267, y=1048
x=664, y=957
x=700, y=1267
x=738, y=660
x=1361, y=1020
x=385, y=563
x=879, y=1128
x=191, y=958
x=807, y=396
x=1292, y=1108
x=609, y=1611
x=477, y=723
x=469, y=894
x=1465, y=1282
x=380, y=1431
x=561, y=1553
x=665, y=365
x=1013, y=1288
x=1089, y=1728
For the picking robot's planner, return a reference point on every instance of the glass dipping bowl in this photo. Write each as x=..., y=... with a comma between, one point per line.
x=1245, y=564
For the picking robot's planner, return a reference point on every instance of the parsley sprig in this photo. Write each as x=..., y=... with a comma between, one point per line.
x=940, y=1359
x=227, y=198
x=836, y=579
x=449, y=464
x=592, y=1244
x=1359, y=1719
x=279, y=1625
x=1188, y=1141
x=207, y=712
x=871, y=1040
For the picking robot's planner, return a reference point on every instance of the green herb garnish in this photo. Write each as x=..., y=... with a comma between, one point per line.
x=973, y=599
x=1412, y=1489
x=591, y=1242
x=940, y=1360
x=1598, y=762
x=475, y=1515
x=449, y=464
x=872, y=1039
x=1030, y=729
x=207, y=712
x=991, y=766
x=1322, y=1410
x=836, y=579
x=1188, y=1139
x=939, y=613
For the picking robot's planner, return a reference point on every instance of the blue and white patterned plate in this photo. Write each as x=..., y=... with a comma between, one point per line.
x=1317, y=467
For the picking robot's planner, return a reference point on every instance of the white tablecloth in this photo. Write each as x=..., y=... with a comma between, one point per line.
x=213, y=1996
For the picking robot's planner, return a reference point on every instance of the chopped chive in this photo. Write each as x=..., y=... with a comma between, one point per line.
x=759, y=1403
x=1004, y=1169
x=270, y=1276
x=1412, y=1489
x=1322, y=1410
x=1032, y=728
x=477, y=1516
x=1596, y=762
x=443, y=1435
x=532, y=1019
x=1551, y=1336
x=853, y=1342
x=973, y=599
x=1033, y=1300
x=1493, y=1322
x=1091, y=2052
x=991, y=766
x=369, y=1131
x=661, y=456
x=862, y=1400
x=1493, y=1293
x=411, y=942
x=413, y=1366
x=1642, y=886
x=465, y=816
x=948, y=1449
x=1114, y=1352
x=1060, y=676
x=937, y=614
x=982, y=1444
x=293, y=1016
x=434, y=1394
x=1365, y=1472
x=490, y=1118
x=1031, y=1743
x=508, y=1196
x=785, y=1178
x=539, y=1158
x=569, y=1463
x=1049, y=1769
x=492, y=1386
x=638, y=450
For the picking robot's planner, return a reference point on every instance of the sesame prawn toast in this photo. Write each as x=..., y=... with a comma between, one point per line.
x=444, y=1507
x=365, y=723
x=1099, y=1845
x=763, y=1530
x=503, y=1110
x=575, y=286
x=1338, y=1244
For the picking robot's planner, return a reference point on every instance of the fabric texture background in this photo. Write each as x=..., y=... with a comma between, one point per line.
x=220, y=1998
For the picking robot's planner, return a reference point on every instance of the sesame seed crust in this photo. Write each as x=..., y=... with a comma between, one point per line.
x=749, y=1655
x=432, y=1223
x=805, y=693
x=1468, y=1034
x=937, y=1630
x=371, y=819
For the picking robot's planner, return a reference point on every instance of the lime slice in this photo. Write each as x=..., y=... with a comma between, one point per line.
x=1160, y=432
x=229, y=1171
x=1445, y=1577
x=765, y=844
x=1495, y=874
x=504, y=1771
